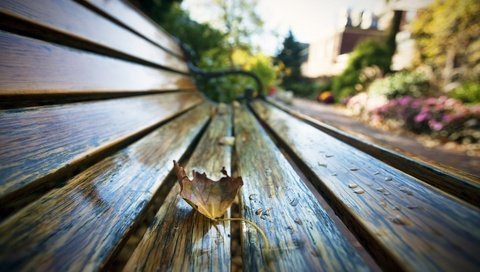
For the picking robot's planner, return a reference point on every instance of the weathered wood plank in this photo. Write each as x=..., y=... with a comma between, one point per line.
x=182, y=239
x=302, y=236
x=128, y=15
x=405, y=223
x=40, y=142
x=77, y=227
x=30, y=66
x=455, y=182
x=61, y=21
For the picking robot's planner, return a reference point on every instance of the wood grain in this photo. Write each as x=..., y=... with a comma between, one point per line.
x=40, y=142
x=302, y=236
x=182, y=239
x=79, y=226
x=405, y=223
x=29, y=66
x=71, y=20
x=453, y=181
x=126, y=14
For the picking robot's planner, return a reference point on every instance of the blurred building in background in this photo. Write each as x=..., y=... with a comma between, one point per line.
x=329, y=55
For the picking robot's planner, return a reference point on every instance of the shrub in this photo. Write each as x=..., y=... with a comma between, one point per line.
x=441, y=117
x=368, y=53
x=468, y=92
x=400, y=84
x=326, y=97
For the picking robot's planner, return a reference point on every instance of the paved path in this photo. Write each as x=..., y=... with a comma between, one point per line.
x=400, y=143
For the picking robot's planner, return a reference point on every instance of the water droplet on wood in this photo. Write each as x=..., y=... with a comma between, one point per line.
x=380, y=189
x=376, y=173
x=228, y=140
x=290, y=229
x=358, y=191
x=352, y=185
x=387, y=193
x=411, y=207
x=322, y=164
x=354, y=169
x=334, y=174
x=406, y=190
x=294, y=202
x=328, y=155
x=252, y=197
x=298, y=221
x=388, y=179
x=259, y=211
x=267, y=212
x=399, y=220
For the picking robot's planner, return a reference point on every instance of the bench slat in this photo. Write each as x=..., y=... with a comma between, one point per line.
x=302, y=235
x=403, y=221
x=63, y=20
x=79, y=226
x=182, y=239
x=40, y=142
x=127, y=14
x=30, y=66
x=450, y=180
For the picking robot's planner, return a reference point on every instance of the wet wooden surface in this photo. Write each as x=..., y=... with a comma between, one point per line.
x=126, y=14
x=458, y=183
x=405, y=223
x=30, y=66
x=40, y=142
x=302, y=235
x=182, y=239
x=71, y=20
x=77, y=227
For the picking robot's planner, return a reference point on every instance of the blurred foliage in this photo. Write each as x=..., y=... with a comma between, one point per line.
x=403, y=83
x=368, y=53
x=326, y=97
x=240, y=21
x=228, y=88
x=440, y=117
x=176, y=21
x=290, y=59
x=218, y=49
x=447, y=35
x=292, y=55
x=468, y=92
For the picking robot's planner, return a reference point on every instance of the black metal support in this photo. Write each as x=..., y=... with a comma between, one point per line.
x=248, y=94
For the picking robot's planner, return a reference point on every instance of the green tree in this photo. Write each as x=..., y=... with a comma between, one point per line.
x=447, y=35
x=240, y=21
x=201, y=37
x=214, y=48
x=292, y=56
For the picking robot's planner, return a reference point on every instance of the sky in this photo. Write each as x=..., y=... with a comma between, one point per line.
x=309, y=20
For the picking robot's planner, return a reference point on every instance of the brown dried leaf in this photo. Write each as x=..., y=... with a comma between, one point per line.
x=210, y=198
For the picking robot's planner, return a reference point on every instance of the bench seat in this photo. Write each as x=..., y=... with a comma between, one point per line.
x=96, y=102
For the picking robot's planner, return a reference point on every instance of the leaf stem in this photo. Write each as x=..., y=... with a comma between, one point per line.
x=264, y=237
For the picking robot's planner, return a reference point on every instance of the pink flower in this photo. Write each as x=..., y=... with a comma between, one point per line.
x=435, y=125
x=422, y=116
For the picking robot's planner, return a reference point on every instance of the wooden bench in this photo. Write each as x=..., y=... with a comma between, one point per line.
x=97, y=101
